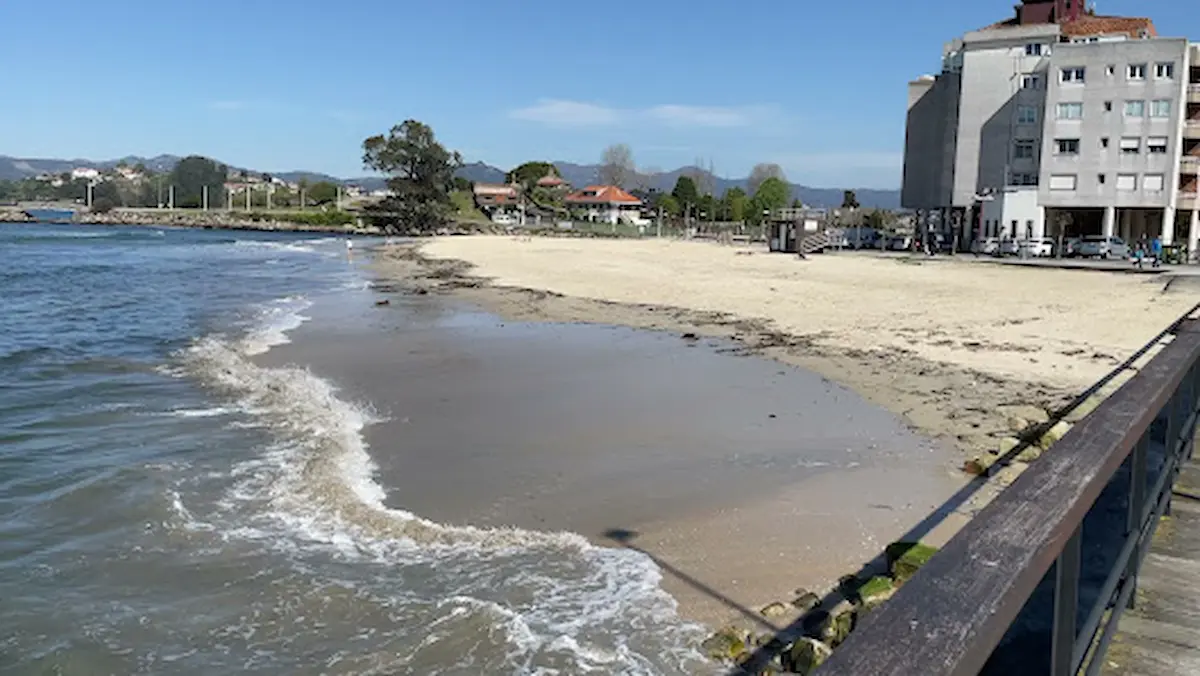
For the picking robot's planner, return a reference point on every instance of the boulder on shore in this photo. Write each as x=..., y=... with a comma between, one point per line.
x=906, y=558
x=727, y=645
x=806, y=655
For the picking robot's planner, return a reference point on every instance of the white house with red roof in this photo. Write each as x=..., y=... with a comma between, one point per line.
x=605, y=204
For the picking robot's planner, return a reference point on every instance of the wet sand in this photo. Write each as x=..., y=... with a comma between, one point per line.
x=743, y=477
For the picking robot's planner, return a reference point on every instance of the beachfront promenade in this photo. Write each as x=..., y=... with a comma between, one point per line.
x=1088, y=563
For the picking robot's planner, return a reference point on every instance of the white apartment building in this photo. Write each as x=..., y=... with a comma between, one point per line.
x=1058, y=122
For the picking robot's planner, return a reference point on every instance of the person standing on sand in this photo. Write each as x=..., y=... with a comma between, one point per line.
x=1156, y=251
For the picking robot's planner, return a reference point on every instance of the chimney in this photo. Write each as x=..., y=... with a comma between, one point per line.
x=1066, y=11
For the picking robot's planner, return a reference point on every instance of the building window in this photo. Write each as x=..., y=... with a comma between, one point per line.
x=1031, y=81
x=1024, y=179
x=1073, y=74
x=1164, y=71
x=1152, y=183
x=1026, y=115
x=1110, y=70
x=1127, y=182
x=1102, y=178
x=1062, y=182
x=1136, y=71
x=1069, y=111
x=1108, y=106
x=1068, y=146
x=1033, y=49
x=1131, y=146
x=1104, y=142
x=1160, y=108
x=1024, y=149
x=1135, y=109
x=1156, y=145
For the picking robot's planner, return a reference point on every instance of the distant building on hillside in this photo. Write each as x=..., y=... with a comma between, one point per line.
x=495, y=195
x=604, y=203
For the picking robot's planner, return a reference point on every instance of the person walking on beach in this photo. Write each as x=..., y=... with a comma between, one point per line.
x=1156, y=251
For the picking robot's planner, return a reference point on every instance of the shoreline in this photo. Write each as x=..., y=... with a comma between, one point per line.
x=983, y=414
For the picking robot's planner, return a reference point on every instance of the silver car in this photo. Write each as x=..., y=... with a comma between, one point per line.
x=1102, y=247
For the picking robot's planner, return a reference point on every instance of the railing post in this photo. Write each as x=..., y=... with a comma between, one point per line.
x=1066, y=606
x=1137, y=508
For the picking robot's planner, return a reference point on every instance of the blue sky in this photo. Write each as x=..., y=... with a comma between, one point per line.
x=818, y=87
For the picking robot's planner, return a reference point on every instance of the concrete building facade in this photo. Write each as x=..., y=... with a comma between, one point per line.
x=1058, y=122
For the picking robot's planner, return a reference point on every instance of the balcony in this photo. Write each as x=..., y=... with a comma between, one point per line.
x=1193, y=93
x=1188, y=200
x=1190, y=165
x=1191, y=129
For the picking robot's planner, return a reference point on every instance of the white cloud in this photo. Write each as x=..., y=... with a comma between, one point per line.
x=562, y=113
x=703, y=116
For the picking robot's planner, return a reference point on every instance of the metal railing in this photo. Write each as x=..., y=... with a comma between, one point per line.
x=950, y=617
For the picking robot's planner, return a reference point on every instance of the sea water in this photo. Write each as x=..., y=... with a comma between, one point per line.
x=168, y=505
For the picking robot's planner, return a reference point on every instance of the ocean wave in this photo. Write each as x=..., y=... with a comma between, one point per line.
x=553, y=595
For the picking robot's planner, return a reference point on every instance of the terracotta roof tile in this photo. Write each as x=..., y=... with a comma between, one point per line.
x=1133, y=26
x=602, y=194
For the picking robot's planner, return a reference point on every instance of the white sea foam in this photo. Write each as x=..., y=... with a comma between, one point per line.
x=202, y=412
x=315, y=487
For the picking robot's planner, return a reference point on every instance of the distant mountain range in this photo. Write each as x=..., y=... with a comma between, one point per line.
x=14, y=168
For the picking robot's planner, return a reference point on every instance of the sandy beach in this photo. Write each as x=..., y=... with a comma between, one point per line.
x=954, y=349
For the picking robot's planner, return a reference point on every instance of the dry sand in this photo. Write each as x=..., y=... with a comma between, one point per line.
x=954, y=347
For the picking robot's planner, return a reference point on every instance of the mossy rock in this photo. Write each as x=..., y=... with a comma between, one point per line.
x=805, y=601
x=806, y=655
x=1030, y=454
x=980, y=465
x=839, y=623
x=1054, y=434
x=774, y=610
x=1084, y=409
x=906, y=558
x=1007, y=444
x=875, y=591
x=1016, y=424
x=725, y=646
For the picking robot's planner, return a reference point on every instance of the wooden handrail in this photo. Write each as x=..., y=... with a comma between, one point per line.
x=948, y=619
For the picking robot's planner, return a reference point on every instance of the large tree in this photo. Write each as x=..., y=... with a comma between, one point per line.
x=420, y=175
x=685, y=191
x=322, y=192
x=772, y=194
x=849, y=200
x=530, y=173
x=735, y=204
x=616, y=165
x=192, y=175
x=762, y=172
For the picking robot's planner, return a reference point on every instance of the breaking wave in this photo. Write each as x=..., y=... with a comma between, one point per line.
x=542, y=600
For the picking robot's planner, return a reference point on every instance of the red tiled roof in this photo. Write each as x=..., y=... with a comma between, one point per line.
x=1133, y=26
x=494, y=189
x=602, y=194
x=1094, y=25
x=549, y=181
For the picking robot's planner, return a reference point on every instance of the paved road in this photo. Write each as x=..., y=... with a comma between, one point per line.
x=1058, y=263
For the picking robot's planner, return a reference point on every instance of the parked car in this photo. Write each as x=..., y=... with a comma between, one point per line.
x=1010, y=247
x=1071, y=247
x=988, y=246
x=502, y=218
x=1103, y=247
x=1038, y=247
